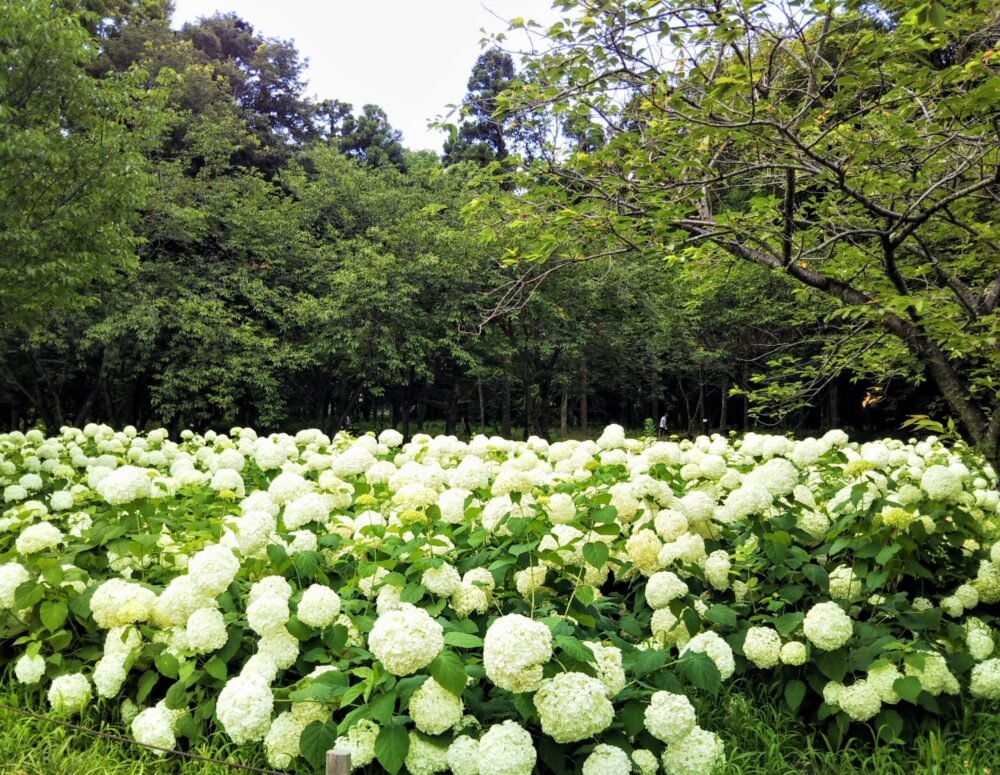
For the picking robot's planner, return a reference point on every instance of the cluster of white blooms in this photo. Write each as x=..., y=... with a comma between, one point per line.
x=405, y=640
x=515, y=650
x=573, y=706
x=69, y=693
x=669, y=717
x=827, y=626
x=700, y=752
x=244, y=708
x=279, y=545
x=38, y=538
x=213, y=569
x=155, y=727
x=319, y=606
x=205, y=631
x=117, y=602
x=125, y=485
x=607, y=760
x=29, y=669
x=720, y=652
x=359, y=742
x=762, y=646
x=663, y=587
x=434, y=709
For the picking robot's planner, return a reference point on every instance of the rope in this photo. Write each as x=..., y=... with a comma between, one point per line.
x=130, y=741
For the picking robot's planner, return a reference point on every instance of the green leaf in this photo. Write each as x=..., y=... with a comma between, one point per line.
x=700, y=671
x=574, y=649
x=382, y=706
x=908, y=688
x=889, y=725
x=525, y=706
x=301, y=631
x=633, y=717
x=722, y=615
x=787, y=623
x=306, y=564
x=887, y=553
x=166, y=664
x=216, y=668
x=391, y=747
x=315, y=741
x=146, y=684
x=463, y=640
x=27, y=595
x=278, y=556
x=177, y=696
x=832, y=664
x=649, y=661
x=596, y=553
x=795, y=692
x=449, y=671
x=53, y=614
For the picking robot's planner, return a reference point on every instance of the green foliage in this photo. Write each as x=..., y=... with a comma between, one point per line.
x=73, y=173
x=809, y=145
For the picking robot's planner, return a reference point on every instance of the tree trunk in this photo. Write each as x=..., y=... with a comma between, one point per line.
x=564, y=414
x=724, y=411
x=654, y=392
x=584, y=419
x=505, y=406
x=482, y=405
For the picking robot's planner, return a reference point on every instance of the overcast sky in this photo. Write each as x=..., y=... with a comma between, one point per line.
x=412, y=57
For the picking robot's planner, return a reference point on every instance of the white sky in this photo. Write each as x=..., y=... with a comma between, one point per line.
x=412, y=57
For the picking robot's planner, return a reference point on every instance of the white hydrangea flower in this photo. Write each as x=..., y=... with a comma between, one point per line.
x=205, y=631
x=244, y=708
x=425, y=756
x=434, y=709
x=827, y=626
x=443, y=581
x=69, y=694
x=664, y=587
x=39, y=537
x=213, y=569
x=608, y=664
x=282, y=739
x=860, y=700
x=699, y=753
x=117, y=602
x=985, y=680
x=124, y=485
x=319, y=606
x=405, y=640
x=762, y=646
x=463, y=756
x=607, y=760
x=29, y=669
x=793, y=653
x=154, y=727
x=716, y=648
x=669, y=717
x=573, y=706
x=360, y=742
x=514, y=651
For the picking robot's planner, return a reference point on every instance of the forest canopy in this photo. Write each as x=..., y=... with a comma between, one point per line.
x=777, y=217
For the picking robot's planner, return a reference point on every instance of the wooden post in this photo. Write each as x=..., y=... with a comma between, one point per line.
x=338, y=762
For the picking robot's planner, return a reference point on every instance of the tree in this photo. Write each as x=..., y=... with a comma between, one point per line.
x=71, y=169
x=488, y=134
x=854, y=152
x=368, y=137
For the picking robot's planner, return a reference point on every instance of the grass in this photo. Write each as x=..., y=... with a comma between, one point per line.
x=760, y=740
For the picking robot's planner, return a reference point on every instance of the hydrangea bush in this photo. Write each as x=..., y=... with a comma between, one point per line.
x=493, y=607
